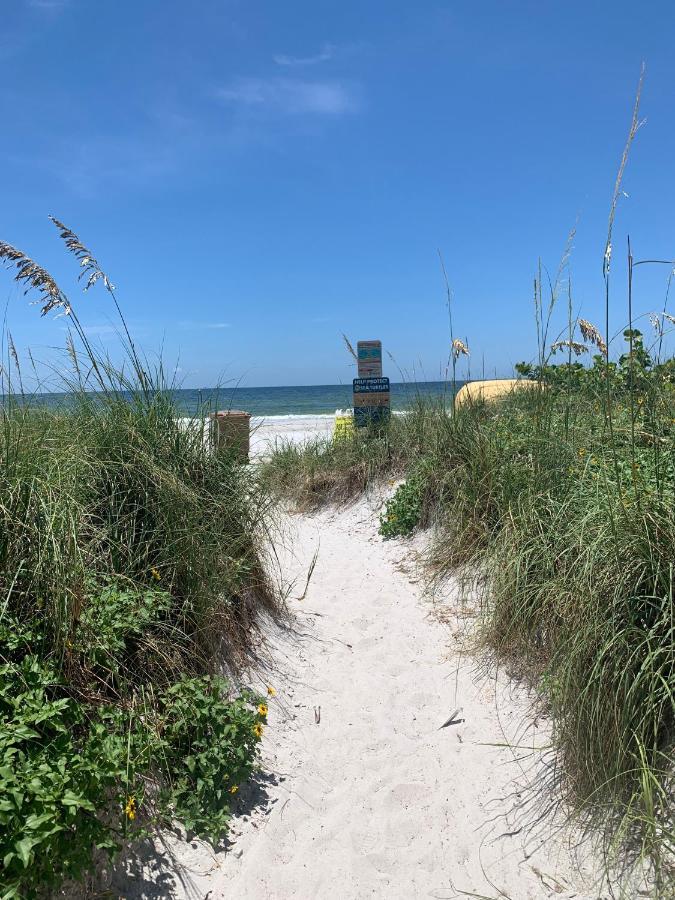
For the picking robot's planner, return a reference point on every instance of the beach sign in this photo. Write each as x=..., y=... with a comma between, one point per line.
x=372, y=401
x=369, y=359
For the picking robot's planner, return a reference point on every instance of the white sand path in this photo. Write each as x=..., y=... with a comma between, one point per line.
x=375, y=800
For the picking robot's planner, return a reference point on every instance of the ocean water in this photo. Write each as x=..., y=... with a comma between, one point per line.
x=308, y=400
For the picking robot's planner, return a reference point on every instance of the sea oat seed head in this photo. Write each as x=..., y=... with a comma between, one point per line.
x=35, y=277
x=88, y=262
x=459, y=348
x=574, y=346
x=592, y=335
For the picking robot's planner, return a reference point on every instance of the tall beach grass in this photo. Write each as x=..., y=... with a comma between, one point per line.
x=133, y=574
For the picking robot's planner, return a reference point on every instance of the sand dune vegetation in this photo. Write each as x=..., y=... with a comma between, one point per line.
x=138, y=588
x=561, y=505
x=558, y=504
x=132, y=574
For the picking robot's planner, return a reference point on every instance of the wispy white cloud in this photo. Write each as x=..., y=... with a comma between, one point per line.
x=327, y=52
x=209, y=325
x=291, y=96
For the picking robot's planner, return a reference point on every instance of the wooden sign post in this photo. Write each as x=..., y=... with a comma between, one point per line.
x=372, y=398
x=369, y=356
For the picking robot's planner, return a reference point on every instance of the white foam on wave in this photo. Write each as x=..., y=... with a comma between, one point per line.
x=292, y=417
x=285, y=417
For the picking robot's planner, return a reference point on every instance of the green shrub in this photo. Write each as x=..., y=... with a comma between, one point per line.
x=403, y=511
x=64, y=775
x=209, y=745
x=116, y=622
x=72, y=777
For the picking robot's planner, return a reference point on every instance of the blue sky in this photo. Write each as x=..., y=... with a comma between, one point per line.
x=258, y=177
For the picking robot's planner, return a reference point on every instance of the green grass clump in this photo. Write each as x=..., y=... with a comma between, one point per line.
x=131, y=571
x=329, y=470
x=338, y=470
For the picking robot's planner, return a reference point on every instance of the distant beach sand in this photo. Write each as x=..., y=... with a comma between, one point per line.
x=272, y=432
x=268, y=432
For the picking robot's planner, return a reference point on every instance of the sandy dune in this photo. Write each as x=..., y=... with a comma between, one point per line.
x=366, y=796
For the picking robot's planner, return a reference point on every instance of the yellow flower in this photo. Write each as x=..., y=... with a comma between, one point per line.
x=130, y=808
x=155, y=573
x=271, y=692
x=234, y=788
x=258, y=730
x=262, y=709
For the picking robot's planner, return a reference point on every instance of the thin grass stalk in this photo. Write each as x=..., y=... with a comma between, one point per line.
x=634, y=127
x=448, y=299
x=631, y=372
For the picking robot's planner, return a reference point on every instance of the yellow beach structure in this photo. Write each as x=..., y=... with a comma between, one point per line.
x=475, y=391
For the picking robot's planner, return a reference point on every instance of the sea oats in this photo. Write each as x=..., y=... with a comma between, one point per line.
x=91, y=269
x=459, y=348
x=635, y=125
x=349, y=346
x=574, y=346
x=34, y=277
x=592, y=335
x=11, y=346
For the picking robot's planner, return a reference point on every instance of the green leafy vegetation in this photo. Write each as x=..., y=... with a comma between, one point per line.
x=209, y=744
x=337, y=471
x=131, y=570
x=403, y=511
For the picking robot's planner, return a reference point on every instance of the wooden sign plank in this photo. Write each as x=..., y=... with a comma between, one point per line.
x=372, y=400
x=369, y=357
x=370, y=385
x=381, y=399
